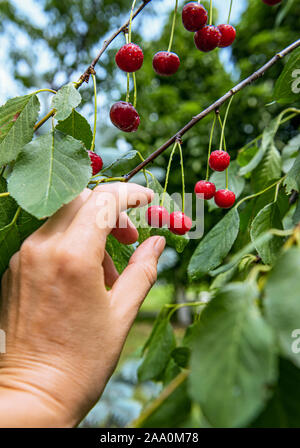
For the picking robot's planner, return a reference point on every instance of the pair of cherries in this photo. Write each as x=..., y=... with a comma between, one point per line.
x=123, y=115
x=130, y=59
x=178, y=223
x=218, y=161
x=207, y=37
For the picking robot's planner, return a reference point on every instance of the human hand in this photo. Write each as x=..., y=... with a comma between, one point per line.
x=64, y=329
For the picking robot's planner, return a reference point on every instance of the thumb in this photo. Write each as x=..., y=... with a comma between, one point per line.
x=131, y=288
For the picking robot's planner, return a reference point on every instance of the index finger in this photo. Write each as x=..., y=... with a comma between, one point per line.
x=99, y=214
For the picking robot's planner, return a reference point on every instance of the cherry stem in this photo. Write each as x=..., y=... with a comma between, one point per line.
x=182, y=175
x=224, y=124
x=44, y=90
x=176, y=307
x=150, y=174
x=3, y=195
x=225, y=148
x=128, y=75
x=130, y=20
x=128, y=88
x=276, y=192
x=211, y=12
x=168, y=173
x=209, y=147
x=260, y=192
x=15, y=217
x=173, y=25
x=230, y=9
x=95, y=112
x=135, y=90
x=146, y=178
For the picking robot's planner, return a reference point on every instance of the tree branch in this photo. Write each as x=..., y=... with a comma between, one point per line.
x=213, y=107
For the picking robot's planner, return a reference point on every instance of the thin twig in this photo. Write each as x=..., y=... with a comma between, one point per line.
x=256, y=75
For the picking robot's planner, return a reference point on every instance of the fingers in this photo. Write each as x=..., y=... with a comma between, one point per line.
x=99, y=214
x=61, y=220
x=110, y=272
x=131, y=288
x=125, y=231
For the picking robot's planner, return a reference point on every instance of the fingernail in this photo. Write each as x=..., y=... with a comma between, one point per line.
x=159, y=245
x=150, y=192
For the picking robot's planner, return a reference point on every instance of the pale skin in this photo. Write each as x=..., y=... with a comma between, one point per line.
x=65, y=329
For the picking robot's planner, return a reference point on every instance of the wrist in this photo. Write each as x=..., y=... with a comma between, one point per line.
x=35, y=396
x=24, y=409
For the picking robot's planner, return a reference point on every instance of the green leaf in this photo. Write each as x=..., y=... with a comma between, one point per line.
x=137, y=216
x=268, y=218
x=50, y=171
x=233, y=358
x=27, y=224
x=8, y=206
x=290, y=152
x=123, y=164
x=214, y=246
x=296, y=217
x=287, y=87
x=282, y=411
x=281, y=302
x=78, y=127
x=65, y=100
x=283, y=12
x=268, y=171
x=174, y=410
x=181, y=356
x=162, y=342
x=9, y=244
x=267, y=140
x=246, y=154
x=161, y=316
x=236, y=183
x=223, y=278
x=262, y=239
x=120, y=253
x=292, y=181
x=17, y=118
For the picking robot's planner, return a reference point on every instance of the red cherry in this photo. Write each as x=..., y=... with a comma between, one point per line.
x=166, y=63
x=271, y=2
x=157, y=216
x=124, y=116
x=129, y=58
x=228, y=35
x=180, y=224
x=208, y=38
x=207, y=189
x=194, y=16
x=224, y=198
x=96, y=162
x=219, y=160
